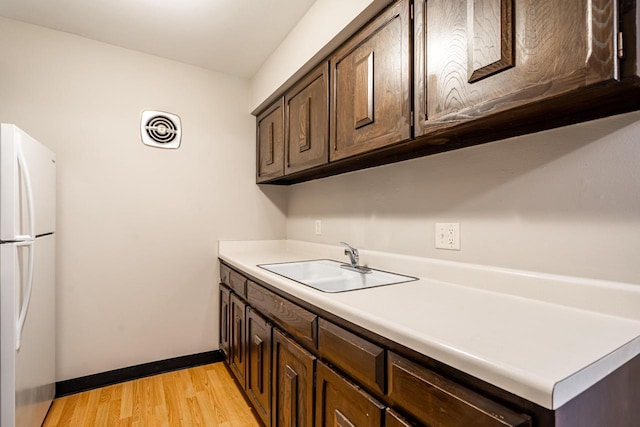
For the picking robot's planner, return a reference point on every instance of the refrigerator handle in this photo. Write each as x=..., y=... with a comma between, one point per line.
x=26, y=296
x=24, y=171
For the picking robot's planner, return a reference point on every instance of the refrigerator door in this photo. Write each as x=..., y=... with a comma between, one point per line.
x=27, y=375
x=27, y=186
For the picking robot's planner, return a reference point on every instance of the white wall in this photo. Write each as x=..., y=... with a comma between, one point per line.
x=325, y=25
x=137, y=226
x=563, y=201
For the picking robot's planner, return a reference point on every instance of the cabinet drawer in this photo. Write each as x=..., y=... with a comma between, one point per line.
x=294, y=319
x=435, y=400
x=363, y=360
x=342, y=404
x=238, y=283
x=224, y=274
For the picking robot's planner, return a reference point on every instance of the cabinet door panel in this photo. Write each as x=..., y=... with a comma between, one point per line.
x=371, y=81
x=224, y=321
x=292, y=379
x=259, y=364
x=475, y=58
x=341, y=403
x=307, y=121
x=270, y=143
x=237, y=343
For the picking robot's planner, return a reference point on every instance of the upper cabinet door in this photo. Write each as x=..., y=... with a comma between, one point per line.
x=307, y=122
x=371, y=86
x=474, y=58
x=270, y=139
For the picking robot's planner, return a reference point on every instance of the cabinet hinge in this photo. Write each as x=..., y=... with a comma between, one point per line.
x=620, y=45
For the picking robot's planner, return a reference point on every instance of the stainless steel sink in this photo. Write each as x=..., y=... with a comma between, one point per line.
x=328, y=276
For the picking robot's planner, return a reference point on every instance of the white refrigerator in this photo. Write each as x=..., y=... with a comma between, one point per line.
x=27, y=278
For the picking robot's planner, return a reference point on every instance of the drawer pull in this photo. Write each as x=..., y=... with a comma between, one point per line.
x=291, y=394
x=258, y=342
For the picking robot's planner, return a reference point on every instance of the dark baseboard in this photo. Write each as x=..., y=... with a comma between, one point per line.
x=77, y=385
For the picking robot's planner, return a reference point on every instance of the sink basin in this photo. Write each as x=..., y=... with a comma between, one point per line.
x=328, y=276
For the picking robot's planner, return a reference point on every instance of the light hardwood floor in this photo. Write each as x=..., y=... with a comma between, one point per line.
x=200, y=396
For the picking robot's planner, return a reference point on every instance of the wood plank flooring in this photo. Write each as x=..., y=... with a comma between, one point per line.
x=200, y=396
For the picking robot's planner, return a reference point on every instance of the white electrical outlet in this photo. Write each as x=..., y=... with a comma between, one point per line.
x=448, y=235
x=318, y=227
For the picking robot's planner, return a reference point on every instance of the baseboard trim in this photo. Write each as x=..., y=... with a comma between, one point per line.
x=90, y=382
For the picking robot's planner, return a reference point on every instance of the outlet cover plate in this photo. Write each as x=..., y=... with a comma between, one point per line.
x=448, y=235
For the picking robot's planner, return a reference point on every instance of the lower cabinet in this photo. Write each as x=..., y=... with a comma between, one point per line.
x=258, y=377
x=339, y=403
x=236, y=338
x=292, y=378
x=269, y=343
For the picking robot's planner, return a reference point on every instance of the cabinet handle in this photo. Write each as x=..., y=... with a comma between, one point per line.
x=292, y=384
x=304, y=121
x=225, y=324
x=271, y=134
x=259, y=343
x=481, y=60
x=341, y=420
x=363, y=96
x=287, y=146
x=239, y=339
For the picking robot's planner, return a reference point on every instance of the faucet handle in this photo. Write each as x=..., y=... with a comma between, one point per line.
x=349, y=248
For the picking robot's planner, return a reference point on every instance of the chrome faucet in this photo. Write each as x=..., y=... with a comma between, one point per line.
x=354, y=258
x=352, y=252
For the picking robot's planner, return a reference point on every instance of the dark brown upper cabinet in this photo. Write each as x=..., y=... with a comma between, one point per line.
x=427, y=76
x=477, y=58
x=270, y=142
x=307, y=121
x=371, y=86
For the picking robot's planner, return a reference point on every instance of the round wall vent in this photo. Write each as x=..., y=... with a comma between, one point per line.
x=160, y=129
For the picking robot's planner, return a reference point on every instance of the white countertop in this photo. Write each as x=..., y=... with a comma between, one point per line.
x=543, y=337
